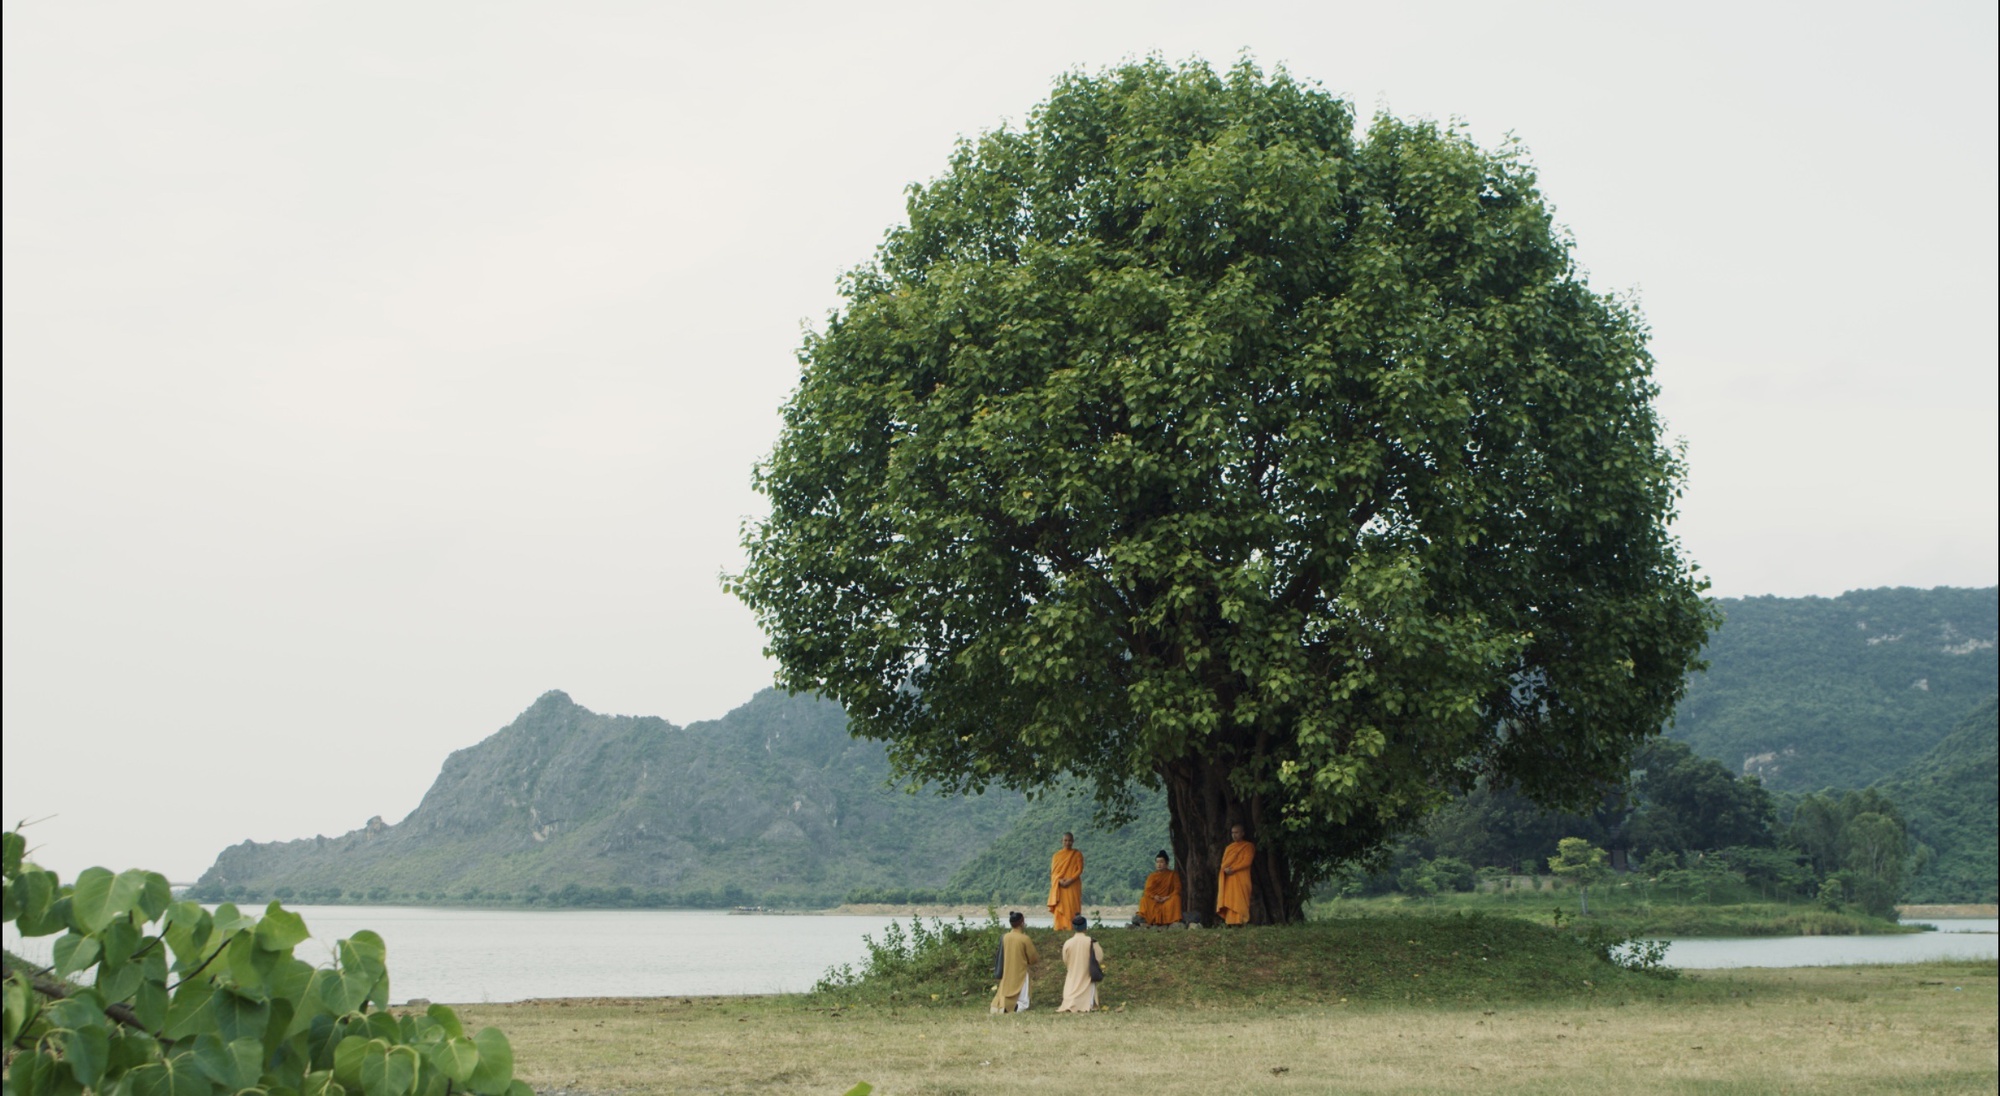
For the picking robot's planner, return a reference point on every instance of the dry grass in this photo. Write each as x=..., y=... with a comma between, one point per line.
x=1928, y=1029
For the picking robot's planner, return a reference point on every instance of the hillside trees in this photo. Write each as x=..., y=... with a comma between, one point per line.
x=1184, y=439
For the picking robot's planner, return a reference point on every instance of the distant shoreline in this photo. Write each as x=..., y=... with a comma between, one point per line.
x=1950, y=909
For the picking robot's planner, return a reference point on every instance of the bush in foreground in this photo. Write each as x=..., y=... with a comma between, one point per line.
x=185, y=1002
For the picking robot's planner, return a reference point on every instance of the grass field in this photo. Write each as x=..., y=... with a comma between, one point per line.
x=1908, y=1029
x=1457, y=1003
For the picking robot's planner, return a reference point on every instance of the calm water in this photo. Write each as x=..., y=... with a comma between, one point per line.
x=511, y=955
x=1955, y=939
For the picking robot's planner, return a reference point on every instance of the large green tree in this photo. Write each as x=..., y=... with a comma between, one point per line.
x=1182, y=437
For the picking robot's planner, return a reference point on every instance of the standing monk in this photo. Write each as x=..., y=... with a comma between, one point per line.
x=1160, y=902
x=1066, y=882
x=1017, y=954
x=1232, y=887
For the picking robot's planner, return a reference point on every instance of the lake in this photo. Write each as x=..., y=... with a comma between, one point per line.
x=470, y=955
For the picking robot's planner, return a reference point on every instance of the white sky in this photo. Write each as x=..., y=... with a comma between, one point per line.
x=371, y=368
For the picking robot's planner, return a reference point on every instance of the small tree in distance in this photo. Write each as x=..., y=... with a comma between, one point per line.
x=1186, y=439
x=1583, y=862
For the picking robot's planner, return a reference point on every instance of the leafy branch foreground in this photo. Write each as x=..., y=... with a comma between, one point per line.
x=184, y=1002
x=1466, y=958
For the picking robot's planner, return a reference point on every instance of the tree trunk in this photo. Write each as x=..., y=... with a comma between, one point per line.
x=1201, y=807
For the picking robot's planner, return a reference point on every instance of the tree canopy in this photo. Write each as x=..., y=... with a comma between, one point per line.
x=1184, y=437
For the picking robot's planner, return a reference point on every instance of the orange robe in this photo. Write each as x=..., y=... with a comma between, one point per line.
x=1160, y=902
x=1232, y=891
x=1064, y=902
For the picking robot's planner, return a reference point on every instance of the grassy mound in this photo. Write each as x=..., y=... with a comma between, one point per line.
x=1465, y=959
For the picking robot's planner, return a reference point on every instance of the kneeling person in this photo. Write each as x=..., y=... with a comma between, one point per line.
x=1017, y=954
x=1079, y=988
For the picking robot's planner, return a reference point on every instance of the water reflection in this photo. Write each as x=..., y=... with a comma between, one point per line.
x=1955, y=939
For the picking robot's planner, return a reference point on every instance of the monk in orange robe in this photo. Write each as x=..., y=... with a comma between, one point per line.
x=1066, y=881
x=1232, y=887
x=1160, y=901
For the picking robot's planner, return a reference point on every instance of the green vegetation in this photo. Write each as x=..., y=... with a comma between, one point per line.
x=1186, y=438
x=1626, y=910
x=185, y=1002
x=1465, y=958
x=1812, y=693
x=1951, y=798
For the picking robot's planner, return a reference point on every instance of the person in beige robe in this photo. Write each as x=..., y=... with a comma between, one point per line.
x=1079, y=992
x=1017, y=954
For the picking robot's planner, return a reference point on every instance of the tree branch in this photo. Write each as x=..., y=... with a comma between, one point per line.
x=44, y=983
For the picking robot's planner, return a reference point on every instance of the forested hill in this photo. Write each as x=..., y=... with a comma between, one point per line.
x=772, y=802
x=1809, y=693
x=775, y=803
x=1951, y=798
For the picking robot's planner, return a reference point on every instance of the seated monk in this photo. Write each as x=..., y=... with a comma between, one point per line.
x=1232, y=886
x=1160, y=901
x=1066, y=881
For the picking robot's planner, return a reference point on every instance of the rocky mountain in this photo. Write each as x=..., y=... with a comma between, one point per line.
x=774, y=801
x=1809, y=693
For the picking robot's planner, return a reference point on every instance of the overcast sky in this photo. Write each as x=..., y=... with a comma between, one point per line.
x=371, y=368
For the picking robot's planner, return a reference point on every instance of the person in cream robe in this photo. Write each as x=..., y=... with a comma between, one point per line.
x=1079, y=992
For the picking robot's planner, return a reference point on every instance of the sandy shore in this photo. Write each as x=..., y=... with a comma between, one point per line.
x=1961, y=909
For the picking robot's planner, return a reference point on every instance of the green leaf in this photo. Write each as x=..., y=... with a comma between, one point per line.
x=77, y=1011
x=234, y=1065
x=149, y=1004
x=520, y=1088
x=321, y=1083
x=90, y=900
x=155, y=895
x=456, y=1058
x=447, y=1018
x=496, y=1063
x=399, y=1077
x=281, y=929
x=20, y=1008
x=187, y=929
x=238, y=1015
x=862, y=1089
x=369, y=943
x=374, y=1069
x=33, y=891
x=12, y=848
x=119, y=983
x=188, y=1014
x=246, y=963
x=89, y=1051
x=384, y=1027
x=347, y=1056
x=173, y=1076
x=130, y=1050
x=119, y=941
x=74, y=953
